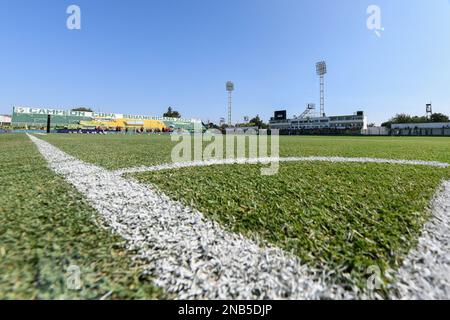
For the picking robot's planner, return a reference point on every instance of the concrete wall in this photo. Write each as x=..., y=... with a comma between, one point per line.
x=429, y=125
x=375, y=131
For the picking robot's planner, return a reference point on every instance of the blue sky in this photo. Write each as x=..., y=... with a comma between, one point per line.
x=142, y=56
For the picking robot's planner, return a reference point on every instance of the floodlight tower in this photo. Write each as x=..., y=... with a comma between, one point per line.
x=321, y=69
x=230, y=89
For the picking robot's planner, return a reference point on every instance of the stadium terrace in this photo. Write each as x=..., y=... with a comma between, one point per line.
x=37, y=118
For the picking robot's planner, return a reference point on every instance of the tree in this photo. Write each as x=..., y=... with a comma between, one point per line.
x=171, y=113
x=404, y=118
x=439, y=117
x=83, y=109
x=387, y=124
x=257, y=122
x=212, y=125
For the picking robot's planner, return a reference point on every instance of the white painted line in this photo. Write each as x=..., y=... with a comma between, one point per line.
x=189, y=255
x=197, y=259
x=178, y=165
x=425, y=274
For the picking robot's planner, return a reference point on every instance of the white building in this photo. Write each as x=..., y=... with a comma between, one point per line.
x=5, y=119
x=357, y=121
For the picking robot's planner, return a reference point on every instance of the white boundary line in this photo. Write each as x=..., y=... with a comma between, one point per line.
x=178, y=165
x=425, y=273
x=190, y=256
x=196, y=259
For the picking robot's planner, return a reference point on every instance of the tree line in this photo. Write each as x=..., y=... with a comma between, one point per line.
x=406, y=118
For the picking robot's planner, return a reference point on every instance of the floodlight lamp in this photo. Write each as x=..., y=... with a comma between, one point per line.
x=230, y=86
x=321, y=68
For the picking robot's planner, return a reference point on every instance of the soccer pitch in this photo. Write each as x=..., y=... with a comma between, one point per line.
x=135, y=229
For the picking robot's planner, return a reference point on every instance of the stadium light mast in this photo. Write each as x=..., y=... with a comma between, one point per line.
x=321, y=69
x=230, y=89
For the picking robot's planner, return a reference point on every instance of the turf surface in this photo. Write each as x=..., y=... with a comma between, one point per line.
x=124, y=151
x=46, y=226
x=346, y=216
x=343, y=216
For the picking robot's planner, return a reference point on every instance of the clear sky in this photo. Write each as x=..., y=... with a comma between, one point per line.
x=142, y=56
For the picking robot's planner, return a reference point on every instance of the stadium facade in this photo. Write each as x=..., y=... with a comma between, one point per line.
x=36, y=118
x=308, y=121
x=5, y=120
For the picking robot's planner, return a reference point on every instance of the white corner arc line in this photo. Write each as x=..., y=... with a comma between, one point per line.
x=179, y=165
x=425, y=273
x=190, y=256
x=197, y=259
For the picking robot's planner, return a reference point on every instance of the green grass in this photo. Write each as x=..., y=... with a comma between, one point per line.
x=46, y=226
x=115, y=151
x=343, y=216
x=410, y=148
x=120, y=151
